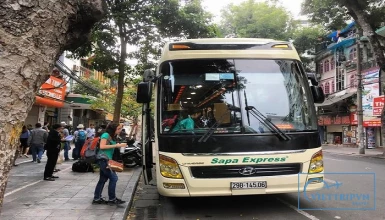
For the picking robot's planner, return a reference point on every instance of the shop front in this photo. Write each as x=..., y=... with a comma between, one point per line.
x=372, y=131
x=337, y=129
x=372, y=105
x=48, y=100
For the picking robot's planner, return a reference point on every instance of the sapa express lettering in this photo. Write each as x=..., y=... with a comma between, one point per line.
x=248, y=160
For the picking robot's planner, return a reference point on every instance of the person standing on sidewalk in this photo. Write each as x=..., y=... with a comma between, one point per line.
x=23, y=144
x=25, y=133
x=107, y=146
x=66, y=143
x=90, y=131
x=37, y=140
x=80, y=138
x=54, y=140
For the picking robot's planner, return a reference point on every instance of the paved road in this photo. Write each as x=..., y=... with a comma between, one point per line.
x=148, y=204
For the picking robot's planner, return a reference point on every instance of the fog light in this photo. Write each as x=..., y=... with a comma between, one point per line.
x=174, y=185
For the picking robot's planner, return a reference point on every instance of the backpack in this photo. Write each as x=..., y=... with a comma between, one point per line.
x=90, y=151
x=82, y=166
x=82, y=136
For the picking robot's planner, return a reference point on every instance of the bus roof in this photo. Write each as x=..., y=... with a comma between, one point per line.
x=230, y=48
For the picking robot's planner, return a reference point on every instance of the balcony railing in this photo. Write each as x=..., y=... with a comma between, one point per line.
x=321, y=47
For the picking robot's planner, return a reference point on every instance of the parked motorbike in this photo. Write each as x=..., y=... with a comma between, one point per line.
x=132, y=156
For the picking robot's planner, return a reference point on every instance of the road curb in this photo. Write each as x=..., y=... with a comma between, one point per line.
x=355, y=155
x=129, y=194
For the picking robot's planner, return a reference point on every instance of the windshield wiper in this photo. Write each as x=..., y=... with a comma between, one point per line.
x=247, y=112
x=210, y=132
x=265, y=121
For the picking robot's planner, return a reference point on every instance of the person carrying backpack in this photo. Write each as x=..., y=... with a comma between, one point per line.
x=107, y=146
x=80, y=138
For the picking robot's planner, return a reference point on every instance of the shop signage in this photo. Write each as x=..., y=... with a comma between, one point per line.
x=372, y=103
x=53, y=92
x=326, y=120
x=374, y=122
x=378, y=105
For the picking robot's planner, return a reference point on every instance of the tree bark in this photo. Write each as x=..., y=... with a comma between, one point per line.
x=33, y=34
x=122, y=67
x=361, y=17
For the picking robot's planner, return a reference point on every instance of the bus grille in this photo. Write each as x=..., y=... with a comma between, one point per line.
x=245, y=170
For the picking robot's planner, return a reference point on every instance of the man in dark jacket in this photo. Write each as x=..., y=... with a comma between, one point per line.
x=53, y=148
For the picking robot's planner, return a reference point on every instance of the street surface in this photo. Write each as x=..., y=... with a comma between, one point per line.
x=28, y=196
x=149, y=205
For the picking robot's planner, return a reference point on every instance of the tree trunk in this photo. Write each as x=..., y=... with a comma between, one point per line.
x=32, y=36
x=361, y=18
x=122, y=67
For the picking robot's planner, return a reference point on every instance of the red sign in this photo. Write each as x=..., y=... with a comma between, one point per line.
x=378, y=105
x=368, y=123
x=333, y=120
x=53, y=91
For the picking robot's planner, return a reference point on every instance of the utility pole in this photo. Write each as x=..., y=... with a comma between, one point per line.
x=360, y=112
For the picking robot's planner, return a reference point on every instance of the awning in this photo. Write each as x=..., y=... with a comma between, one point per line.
x=331, y=99
x=335, y=34
x=381, y=31
x=344, y=43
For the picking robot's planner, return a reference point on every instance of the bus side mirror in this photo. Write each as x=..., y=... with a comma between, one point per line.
x=312, y=78
x=318, y=94
x=144, y=92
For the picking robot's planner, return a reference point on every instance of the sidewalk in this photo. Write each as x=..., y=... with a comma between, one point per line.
x=353, y=151
x=28, y=196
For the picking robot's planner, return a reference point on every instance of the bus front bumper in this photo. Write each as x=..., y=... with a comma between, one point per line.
x=222, y=187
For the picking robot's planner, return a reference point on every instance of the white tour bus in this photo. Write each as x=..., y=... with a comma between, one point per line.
x=231, y=117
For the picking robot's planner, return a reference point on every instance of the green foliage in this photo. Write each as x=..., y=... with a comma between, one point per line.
x=326, y=12
x=145, y=24
x=333, y=14
x=307, y=37
x=257, y=20
x=80, y=89
x=103, y=100
x=305, y=40
x=129, y=105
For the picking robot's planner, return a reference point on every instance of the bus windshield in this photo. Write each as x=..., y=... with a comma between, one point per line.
x=201, y=93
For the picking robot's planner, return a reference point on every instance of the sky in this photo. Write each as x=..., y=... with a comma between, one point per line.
x=215, y=6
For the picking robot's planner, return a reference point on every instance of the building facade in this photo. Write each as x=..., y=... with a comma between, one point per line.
x=55, y=101
x=336, y=68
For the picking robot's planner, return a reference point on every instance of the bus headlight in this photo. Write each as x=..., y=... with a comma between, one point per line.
x=169, y=168
x=316, y=163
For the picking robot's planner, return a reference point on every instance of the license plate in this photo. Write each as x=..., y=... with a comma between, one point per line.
x=249, y=185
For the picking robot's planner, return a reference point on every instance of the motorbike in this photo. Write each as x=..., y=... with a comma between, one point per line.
x=132, y=156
